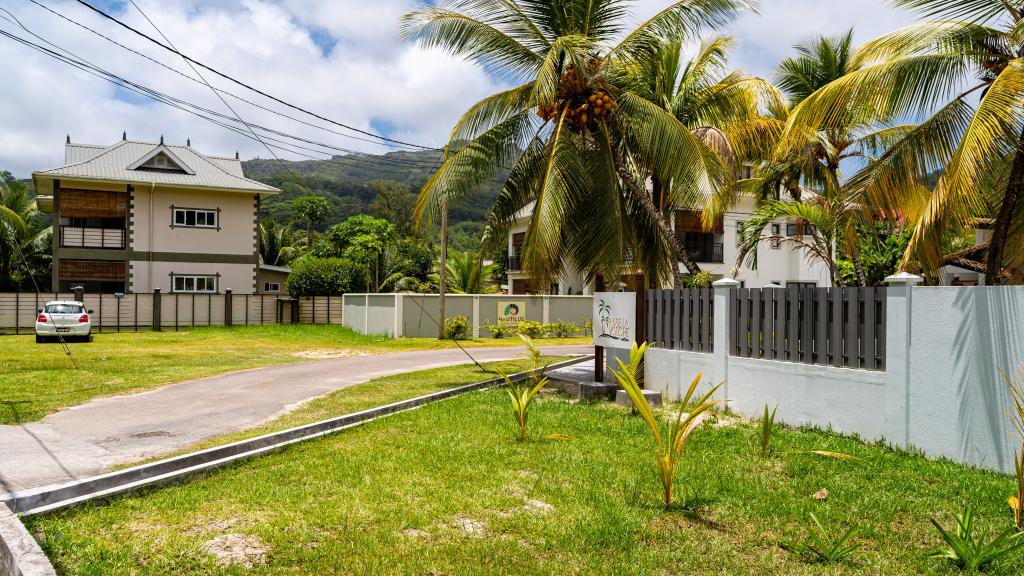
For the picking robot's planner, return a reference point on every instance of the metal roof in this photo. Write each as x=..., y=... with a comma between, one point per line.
x=114, y=162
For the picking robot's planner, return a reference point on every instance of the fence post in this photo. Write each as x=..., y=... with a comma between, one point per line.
x=156, y=310
x=720, y=333
x=399, y=311
x=227, y=306
x=897, y=365
x=546, y=309
x=476, y=315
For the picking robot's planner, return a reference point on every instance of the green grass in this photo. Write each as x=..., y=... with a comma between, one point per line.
x=398, y=495
x=36, y=380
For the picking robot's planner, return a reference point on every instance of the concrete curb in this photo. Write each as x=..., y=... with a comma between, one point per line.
x=20, y=555
x=51, y=498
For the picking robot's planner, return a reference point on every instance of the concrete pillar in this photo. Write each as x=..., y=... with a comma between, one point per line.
x=723, y=314
x=399, y=314
x=79, y=293
x=898, y=303
x=227, y=307
x=156, y=310
x=546, y=310
x=476, y=316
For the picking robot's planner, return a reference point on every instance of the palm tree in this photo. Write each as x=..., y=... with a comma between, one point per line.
x=467, y=274
x=811, y=159
x=278, y=244
x=577, y=137
x=705, y=97
x=24, y=236
x=963, y=72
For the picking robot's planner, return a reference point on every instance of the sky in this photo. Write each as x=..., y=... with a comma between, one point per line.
x=341, y=59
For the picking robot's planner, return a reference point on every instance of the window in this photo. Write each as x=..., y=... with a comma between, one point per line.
x=776, y=231
x=194, y=283
x=63, y=309
x=192, y=217
x=271, y=286
x=790, y=229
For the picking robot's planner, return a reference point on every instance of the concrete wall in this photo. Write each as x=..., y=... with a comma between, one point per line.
x=416, y=315
x=942, y=391
x=240, y=278
x=20, y=555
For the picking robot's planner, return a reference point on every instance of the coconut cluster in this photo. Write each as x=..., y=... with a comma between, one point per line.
x=580, y=112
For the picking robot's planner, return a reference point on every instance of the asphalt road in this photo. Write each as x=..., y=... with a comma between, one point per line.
x=91, y=438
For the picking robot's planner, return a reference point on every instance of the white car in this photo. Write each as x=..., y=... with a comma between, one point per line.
x=63, y=318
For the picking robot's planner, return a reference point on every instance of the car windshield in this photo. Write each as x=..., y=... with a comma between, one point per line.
x=63, y=309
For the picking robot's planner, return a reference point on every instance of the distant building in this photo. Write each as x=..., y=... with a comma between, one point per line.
x=714, y=250
x=135, y=216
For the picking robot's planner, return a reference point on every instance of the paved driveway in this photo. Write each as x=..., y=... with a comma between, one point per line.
x=85, y=440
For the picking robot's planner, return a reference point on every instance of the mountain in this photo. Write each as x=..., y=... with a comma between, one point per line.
x=346, y=182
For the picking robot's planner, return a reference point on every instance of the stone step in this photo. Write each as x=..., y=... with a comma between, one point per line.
x=653, y=398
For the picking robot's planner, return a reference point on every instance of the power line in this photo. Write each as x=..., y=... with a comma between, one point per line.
x=222, y=91
x=243, y=84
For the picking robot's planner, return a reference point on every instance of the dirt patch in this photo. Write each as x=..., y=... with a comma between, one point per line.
x=470, y=527
x=327, y=354
x=237, y=549
x=415, y=533
x=537, y=506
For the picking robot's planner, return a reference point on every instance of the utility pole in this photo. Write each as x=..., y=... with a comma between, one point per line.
x=444, y=265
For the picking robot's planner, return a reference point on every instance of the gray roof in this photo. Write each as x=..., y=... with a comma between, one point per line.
x=91, y=162
x=273, y=268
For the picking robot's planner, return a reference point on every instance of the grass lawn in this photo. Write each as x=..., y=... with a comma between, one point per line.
x=445, y=489
x=38, y=379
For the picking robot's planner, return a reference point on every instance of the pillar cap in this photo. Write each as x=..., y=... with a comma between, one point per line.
x=773, y=286
x=726, y=283
x=904, y=278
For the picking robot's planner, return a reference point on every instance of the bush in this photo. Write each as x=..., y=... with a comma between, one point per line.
x=701, y=279
x=499, y=330
x=588, y=327
x=321, y=277
x=531, y=329
x=457, y=328
x=563, y=329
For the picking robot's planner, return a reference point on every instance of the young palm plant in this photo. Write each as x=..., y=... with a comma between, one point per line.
x=968, y=551
x=767, y=427
x=577, y=139
x=821, y=546
x=672, y=439
x=1016, y=386
x=523, y=392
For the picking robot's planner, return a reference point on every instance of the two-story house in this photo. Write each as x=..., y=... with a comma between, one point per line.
x=715, y=250
x=135, y=216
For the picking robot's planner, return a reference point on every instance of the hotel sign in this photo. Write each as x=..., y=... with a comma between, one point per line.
x=511, y=313
x=614, y=319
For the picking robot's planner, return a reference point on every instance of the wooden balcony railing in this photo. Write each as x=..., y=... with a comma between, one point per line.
x=79, y=237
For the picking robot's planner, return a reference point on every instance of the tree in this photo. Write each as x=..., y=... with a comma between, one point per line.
x=312, y=209
x=278, y=244
x=24, y=237
x=963, y=74
x=574, y=133
x=311, y=276
x=706, y=98
x=360, y=239
x=395, y=203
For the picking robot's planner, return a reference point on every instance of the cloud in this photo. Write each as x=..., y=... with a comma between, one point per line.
x=341, y=59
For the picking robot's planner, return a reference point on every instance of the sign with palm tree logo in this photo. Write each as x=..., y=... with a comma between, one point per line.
x=614, y=319
x=511, y=313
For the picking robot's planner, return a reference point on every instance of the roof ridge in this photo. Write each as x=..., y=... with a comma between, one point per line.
x=214, y=164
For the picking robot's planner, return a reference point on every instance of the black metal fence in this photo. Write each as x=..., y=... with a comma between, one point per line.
x=680, y=319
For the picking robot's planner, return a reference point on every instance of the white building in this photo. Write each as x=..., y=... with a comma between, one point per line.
x=715, y=250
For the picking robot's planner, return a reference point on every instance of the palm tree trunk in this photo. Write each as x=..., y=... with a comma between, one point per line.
x=676, y=251
x=1001, y=229
x=858, y=266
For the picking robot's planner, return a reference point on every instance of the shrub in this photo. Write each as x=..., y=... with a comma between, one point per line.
x=321, y=277
x=820, y=545
x=563, y=329
x=457, y=328
x=530, y=329
x=499, y=330
x=701, y=279
x=673, y=439
x=588, y=327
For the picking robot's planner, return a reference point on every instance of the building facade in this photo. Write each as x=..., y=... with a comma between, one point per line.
x=715, y=250
x=137, y=216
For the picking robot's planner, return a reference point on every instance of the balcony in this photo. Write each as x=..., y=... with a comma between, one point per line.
x=515, y=264
x=703, y=247
x=82, y=237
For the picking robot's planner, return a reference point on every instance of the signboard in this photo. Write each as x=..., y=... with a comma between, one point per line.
x=511, y=312
x=614, y=319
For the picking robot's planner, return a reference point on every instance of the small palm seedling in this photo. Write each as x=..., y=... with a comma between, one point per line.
x=821, y=546
x=767, y=427
x=1017, y=502
x=1017, y=418
x=522, y=393
x=672, y=442
x=970, y=553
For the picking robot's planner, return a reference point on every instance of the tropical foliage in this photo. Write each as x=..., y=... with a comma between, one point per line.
x=25, y=238
x=467, y=274
x=969, y=551
x=278, y=243
x=522, y=392
x=577, y=135
x=822, y=546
